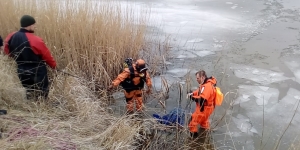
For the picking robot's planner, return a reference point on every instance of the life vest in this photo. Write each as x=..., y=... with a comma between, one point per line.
x=211, y=93
x=219, y=96
x=128, y=83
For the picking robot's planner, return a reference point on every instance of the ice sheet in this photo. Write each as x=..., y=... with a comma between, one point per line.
x=244, y=124
x=203, y=53
x=195, y=41
x=179, y=72
x=261, y=76
x=294, y=66
x=261, y=94
x=280, y=114
x=186, y=54
x=229, y=3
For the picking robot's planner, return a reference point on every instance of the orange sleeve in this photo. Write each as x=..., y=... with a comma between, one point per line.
x=121, y=77
x=148, y=80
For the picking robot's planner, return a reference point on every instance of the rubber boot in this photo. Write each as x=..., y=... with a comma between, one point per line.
x=194, y=135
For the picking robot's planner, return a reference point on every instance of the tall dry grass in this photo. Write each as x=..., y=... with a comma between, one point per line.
x=91, y=38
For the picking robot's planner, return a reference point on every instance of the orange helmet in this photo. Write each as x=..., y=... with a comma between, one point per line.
x=141, y=65
x=140, y=62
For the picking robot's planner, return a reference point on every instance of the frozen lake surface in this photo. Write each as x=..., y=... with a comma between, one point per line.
x=253, y=48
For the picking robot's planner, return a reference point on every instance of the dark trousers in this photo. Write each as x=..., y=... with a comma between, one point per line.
x=35, y=80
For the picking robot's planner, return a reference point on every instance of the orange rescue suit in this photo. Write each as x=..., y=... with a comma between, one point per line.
x=133, y=95
x=204, y=96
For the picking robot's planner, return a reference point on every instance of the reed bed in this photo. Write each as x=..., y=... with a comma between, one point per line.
x=91, y=38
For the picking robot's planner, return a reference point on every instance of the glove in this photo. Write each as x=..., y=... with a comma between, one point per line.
x=189, y=96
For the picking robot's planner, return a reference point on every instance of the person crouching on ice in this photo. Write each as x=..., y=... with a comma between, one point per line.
x=132, y=79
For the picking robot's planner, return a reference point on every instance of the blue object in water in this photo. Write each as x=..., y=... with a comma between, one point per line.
x=171, y=118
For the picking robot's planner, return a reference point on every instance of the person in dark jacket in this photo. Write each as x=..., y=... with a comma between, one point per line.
x=2, y=112
x=31, y=55
x=1, y=44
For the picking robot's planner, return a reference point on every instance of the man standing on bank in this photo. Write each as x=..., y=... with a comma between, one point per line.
x=31, y=55
x=1, y=44
x=204, y=97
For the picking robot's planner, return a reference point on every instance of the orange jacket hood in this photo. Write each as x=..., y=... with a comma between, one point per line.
x=211, y=79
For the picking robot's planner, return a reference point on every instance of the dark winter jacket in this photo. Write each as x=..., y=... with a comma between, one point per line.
x=1, y=42
x=28, y=50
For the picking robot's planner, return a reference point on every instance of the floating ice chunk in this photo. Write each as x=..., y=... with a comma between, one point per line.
x=294, y=66
x=217, y=46
x=262, y=98
x=181, y=56
x=242, y=99
x=264, y=88
x=243, y=124
x=262, y=94
x=215, y=40
x=297, y=75
x=258, y=75
x=229, y=3
x=178, y=72
x=186, y=54
x=253, y=130
x=234, y=7
x=246, y=96
x=284, y=109
x=195, y=41
x=203, y=53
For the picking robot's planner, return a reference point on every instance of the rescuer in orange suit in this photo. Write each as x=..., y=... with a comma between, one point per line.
x=204, y=97
x=132, y=80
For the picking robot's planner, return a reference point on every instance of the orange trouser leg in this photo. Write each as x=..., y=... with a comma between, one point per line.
x=139, y=100
x=204, y=122
x=201, y=118
x=129, y=100
x=195, y=119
